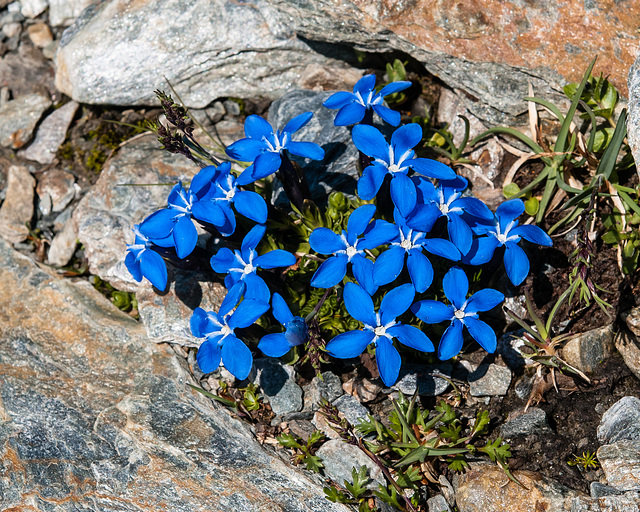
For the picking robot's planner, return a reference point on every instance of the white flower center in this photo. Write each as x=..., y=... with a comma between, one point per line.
x=502, y=238
x=351, y=251
x=248, y=269
x=459, y=314
x=406, y=244
x=393, y=168
x=226, y=330
x=380, y=330
x=444, y=208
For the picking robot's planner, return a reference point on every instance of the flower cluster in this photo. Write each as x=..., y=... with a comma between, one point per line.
x=431, y=215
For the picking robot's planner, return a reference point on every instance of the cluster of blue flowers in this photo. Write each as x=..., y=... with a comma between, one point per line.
x=474, y=234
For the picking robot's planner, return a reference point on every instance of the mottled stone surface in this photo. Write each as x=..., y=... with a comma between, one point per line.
x=277, y=381
x=423, y=377
x=19, y=118
x=64, y=12
x=107, y=213
x=588, y=349
x=93, y=417
x=328, y=388
x=620, y=462
x=115, y=54
x=489, y=380
x=485, y=488
x=17, y=209
x=340, y=458
x=63, y=245
x=632, y=319
x=629, y=502
x=621, y=421
x=351, y=408
x=534, y=421
x=629, y=347
x=633, y=123
x=438, y=504
x=51, y=134
x=56, y=189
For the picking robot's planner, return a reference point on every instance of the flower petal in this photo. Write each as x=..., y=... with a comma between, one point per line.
x=432, y=168
x=532, y=233
x=331, y=272
x=484, y=300
x=443, y=248
x=509, y=211
x=133, y=265
x=246, y=176
x=365, y=84
x=377, y=233
x=396, y=302
x=231, y=299
x=388, y=265
x=424, y=217
x=405, y=138
x=297, y=331
x=359, y=220
x=516, y=263
x=275, y=259
x=306, y=149
x=456, y=286
x=393, y=88
x=388, y=116
x=482, y=333
x=371, y=181
x=251, y=205
x=325, y=241
x=236, y=357
x=388, y=361
x=210, y=212
x=251, y=240
x=482, y=250
x=351, y=113
x=338, y=100
x=363, y=272
x=247, y=312
x=246, y=150
x=257, y=289
x=223, y=260
x=274, y=345
x=359, y=304
x=459, y=232
x=280, y=309
x=371, y=142
x=208, y=356
x=199, y=322
x=411, y=337
x=349, y=344
x=159, y=224
x=154, y=269
x=403, y=193
x=473, y=206
x=451, y=341
x=256, y=127
x=432, y=311
x=298, y=122
x=265, y=164
x=185, y=236
x=203, y=180
x=420, y=270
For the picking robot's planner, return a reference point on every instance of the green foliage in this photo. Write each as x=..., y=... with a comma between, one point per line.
x=624, y=230
x=304, y=452
x=124, y=301
x=357, y=492
x=396, y=72
x=587, y=460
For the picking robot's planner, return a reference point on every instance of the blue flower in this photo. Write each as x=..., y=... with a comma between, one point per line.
x=449, y=203
x=395, y=159
x=220, y=342
x=348, y=248
x=141, y=261
x=242, y=265
x=224, y=192
x=296, y=330
x=172, y=226
x=411, y=242
x=354, y=106
x=504, y=231
x=264, y=147
x=379, y=328
x=461, y=313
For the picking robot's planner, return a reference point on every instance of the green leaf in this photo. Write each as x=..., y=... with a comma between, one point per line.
x=608, y=161
x=289, y=441
x=482, y=420
x=333, y=494
x=314, y=463
x=360, y=479
x=316, y=436
x=458, y=463
x=531, y=206
x=225, y=401
x=510, y=190
x=407, y=478
x=610, y=98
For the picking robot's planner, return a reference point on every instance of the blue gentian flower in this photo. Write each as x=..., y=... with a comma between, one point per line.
x=173, y=223
x=263, y=146
x=461, y=313
x=242, y=265
x=449, y=203
x=411, y=242
x=296, y=330
x=354, y=106
x=395, y=159
x=141, y=261
x=224, y=192
x=348, y=248
x=379, y=328
x=220, y=342
x=504, y=231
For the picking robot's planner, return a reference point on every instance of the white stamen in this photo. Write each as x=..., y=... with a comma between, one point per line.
x=459, y=314
x=351, y=251
x=380, y=331
x=406, y=244
x=226, y=330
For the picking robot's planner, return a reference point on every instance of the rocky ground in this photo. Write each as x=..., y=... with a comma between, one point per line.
x=95, y=411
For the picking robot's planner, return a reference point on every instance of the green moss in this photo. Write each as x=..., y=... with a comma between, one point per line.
x=66, y=151
x=96, y=160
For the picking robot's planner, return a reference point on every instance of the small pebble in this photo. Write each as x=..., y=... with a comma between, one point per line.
x=40, y=34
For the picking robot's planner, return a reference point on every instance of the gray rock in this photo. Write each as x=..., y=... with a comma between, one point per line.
x=231, y=107
x=629, y=347
x=40, y=34
x=17, y=209
x=489, y=380
x=629, y=502
x=599, y=490
x=423, y=377
x=51, y=134
x=633, y=122
x=33, y=8
x=586, y=350
x=438, y=504
x=56, y=189
x=632, y=319
x=11, y=29
x=534, y=421
x=63, y=245
x=64, y=12
x=94, y=417
x=328, y=388
x=620, y=462
x=278, y=383
x=510, y=348
x=338, y=170
x=353, y=410
x=524, y=386
x=340, y=458
x=19, y=118
x=621, y=421
x=113, y=53
x=106, y=214
x=25, y=72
